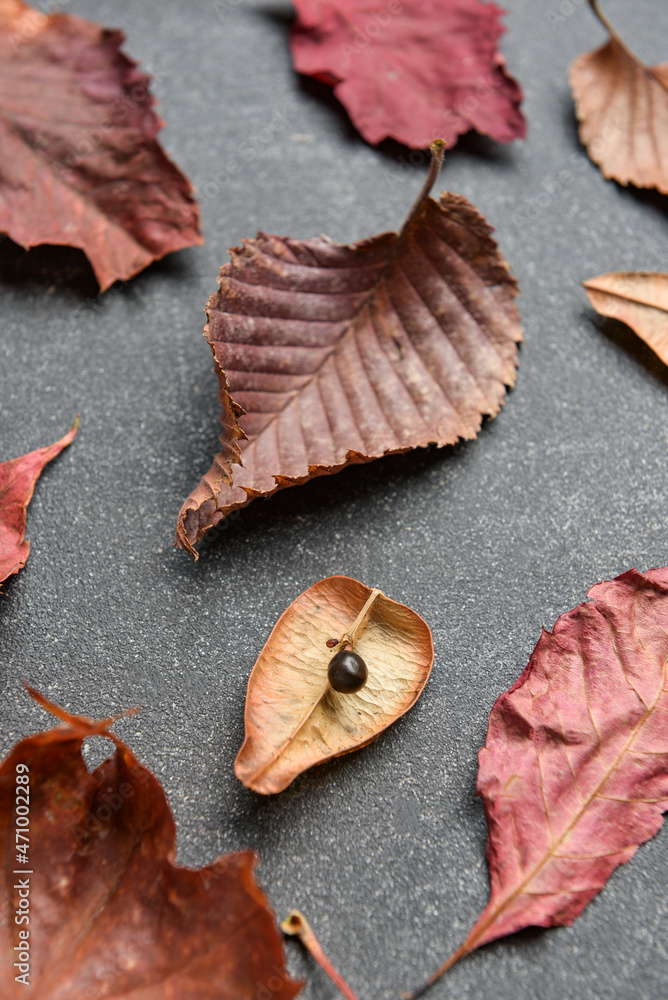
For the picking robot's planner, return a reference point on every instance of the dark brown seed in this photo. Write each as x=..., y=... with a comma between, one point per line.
x=332, y=643
x=347, y=672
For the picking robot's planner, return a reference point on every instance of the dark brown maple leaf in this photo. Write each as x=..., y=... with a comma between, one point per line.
x=110, y=914
x=574, y=773
x=79, y=161
x=622, y=106
x=17, y=482
x=329, y=355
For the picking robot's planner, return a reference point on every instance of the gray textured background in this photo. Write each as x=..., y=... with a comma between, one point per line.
x=384, y=849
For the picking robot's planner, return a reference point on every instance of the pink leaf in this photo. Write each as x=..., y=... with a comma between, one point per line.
x=412, y=70
x=574, y=773
x=17, y=482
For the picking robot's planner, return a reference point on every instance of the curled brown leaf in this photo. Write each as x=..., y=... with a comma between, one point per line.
x=329, y=355
x=622, y=106
x=293, y=717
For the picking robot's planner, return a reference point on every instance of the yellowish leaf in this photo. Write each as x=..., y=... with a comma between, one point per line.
x=294, y=719
x=637, y=298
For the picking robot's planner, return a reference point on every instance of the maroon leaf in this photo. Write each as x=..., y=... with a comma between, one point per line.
x=329, y=355
x=110, y=914
x=411, y=70
x=17, y=482
x=79, y=161
x=574, y=773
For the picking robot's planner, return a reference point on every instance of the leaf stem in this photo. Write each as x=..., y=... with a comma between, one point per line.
x=602, y=18
x=613, y=33
x=460, y=953
x=298, y=926
x=348, y=638
x=437, y=150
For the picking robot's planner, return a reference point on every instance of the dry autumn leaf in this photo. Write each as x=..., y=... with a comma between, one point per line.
x=110, y=914
x=622, y=106
x=637, y=298
x=329, y=355
x=574, y=773
x=17, y=483
x=79, y=161
x=294, y=717
x=411, y=71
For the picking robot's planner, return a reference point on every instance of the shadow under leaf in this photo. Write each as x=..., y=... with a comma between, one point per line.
x=323, y=494
x=46, y=266
x=644, y=196
x=50, y=267
x=624, y=337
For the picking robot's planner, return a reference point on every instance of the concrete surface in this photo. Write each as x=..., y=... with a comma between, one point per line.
x=384, y=850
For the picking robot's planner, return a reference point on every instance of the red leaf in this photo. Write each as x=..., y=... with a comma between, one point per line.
x=17, y=482
x=329, y=355
x=111, y=915
x=574, y=773
x=412, y=70
x=79, y=161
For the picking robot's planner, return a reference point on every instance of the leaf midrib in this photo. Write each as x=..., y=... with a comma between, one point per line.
x=631, y=299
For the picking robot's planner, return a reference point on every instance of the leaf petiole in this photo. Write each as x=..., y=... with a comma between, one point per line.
x=437, y=150
x=296, y=925
x=348, y=638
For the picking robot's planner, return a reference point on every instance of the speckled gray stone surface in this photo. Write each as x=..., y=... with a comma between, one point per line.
x=384, y=849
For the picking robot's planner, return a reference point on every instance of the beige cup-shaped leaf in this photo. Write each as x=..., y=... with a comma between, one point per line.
x=637, y=298
x=293, y=717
